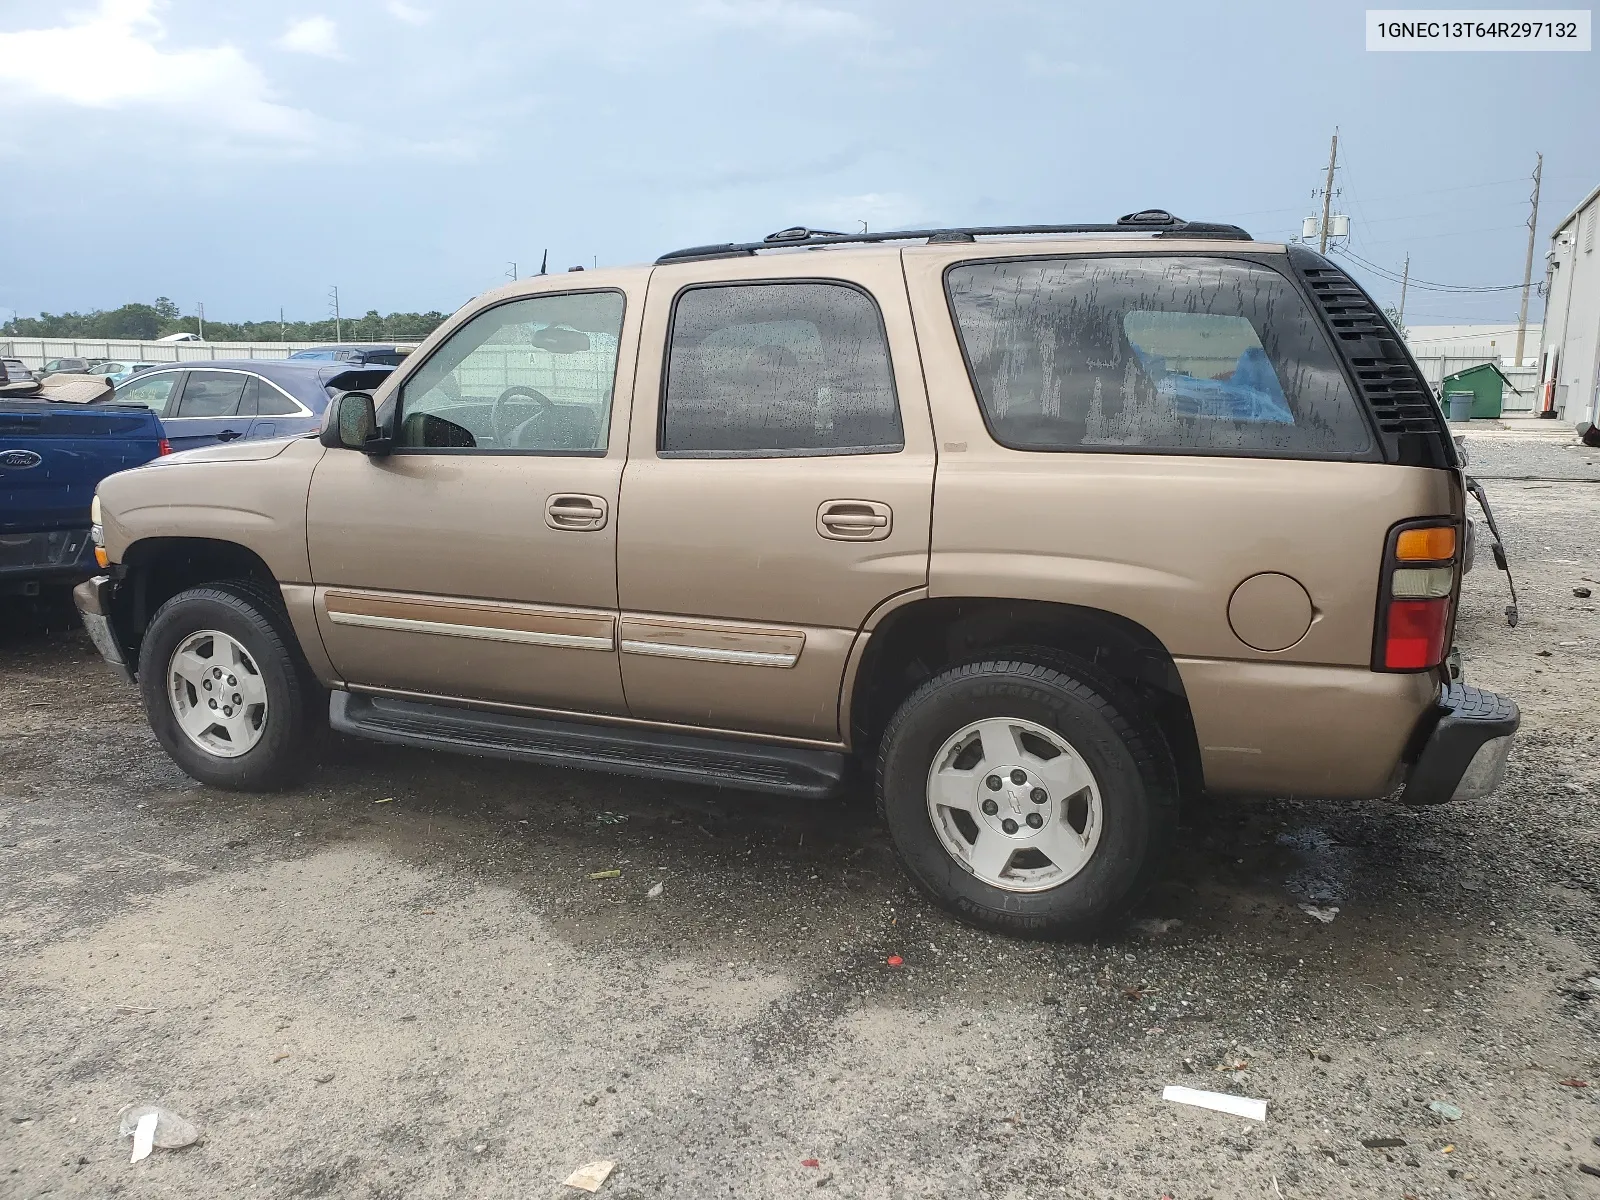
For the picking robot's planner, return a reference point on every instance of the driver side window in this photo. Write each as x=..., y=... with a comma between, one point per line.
x=531, y=376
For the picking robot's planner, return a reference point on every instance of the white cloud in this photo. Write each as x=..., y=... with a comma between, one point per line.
x=786, y=16
x=409, y=13
x=312, y=35
x=110, y=59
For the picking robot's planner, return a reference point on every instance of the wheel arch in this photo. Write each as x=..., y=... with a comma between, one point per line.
x=921, y=636
x=155, y=569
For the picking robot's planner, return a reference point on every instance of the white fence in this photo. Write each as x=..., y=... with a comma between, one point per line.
x=1524, y=379
x=35, y=352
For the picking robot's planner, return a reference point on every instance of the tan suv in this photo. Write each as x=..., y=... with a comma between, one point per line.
x=1045, y=528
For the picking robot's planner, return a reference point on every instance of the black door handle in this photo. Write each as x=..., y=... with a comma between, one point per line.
x=227, y=435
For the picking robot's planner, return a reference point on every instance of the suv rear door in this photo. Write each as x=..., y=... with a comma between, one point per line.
x=778, y=487
x=208, y=410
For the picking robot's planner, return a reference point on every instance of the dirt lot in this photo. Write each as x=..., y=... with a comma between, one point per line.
x=429, y=997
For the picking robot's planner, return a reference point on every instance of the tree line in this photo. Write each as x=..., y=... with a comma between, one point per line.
x=147, y=322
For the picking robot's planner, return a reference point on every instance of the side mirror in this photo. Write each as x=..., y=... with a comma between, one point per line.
x=351, y=423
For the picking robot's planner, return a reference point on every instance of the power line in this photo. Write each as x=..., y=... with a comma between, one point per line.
x=1425, y=284
x=1428, y=237
x=1262, y=212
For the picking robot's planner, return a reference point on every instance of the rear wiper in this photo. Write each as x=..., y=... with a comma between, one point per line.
x=1498, y=548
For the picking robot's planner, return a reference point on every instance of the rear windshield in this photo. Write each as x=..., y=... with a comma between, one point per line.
x=1196, y=355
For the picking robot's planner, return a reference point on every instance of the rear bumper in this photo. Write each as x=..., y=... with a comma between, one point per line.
x=45, y=556
x=93, y=598
x=1464, y=755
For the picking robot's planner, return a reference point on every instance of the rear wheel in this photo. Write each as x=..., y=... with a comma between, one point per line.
x=227, y=691
x=1022, y=798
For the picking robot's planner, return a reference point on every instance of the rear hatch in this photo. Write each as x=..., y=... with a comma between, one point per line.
x=51, y=459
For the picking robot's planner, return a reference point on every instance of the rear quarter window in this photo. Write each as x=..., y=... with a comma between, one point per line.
x=1157, y=354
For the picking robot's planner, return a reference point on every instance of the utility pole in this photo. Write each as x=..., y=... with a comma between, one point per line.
x=1327, y=192
x=338, y=326
x=281, y=336
x=1405, y=278
x=200, y=310
x=1527, y=270
x=511, y=272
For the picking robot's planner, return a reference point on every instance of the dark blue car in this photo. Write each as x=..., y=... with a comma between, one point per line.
x=224, y=400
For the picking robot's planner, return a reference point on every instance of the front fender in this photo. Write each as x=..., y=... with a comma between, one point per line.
x=251, y=496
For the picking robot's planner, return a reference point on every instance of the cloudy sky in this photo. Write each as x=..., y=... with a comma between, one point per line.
x=249, y=155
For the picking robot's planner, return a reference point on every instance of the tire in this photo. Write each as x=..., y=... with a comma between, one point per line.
x=281, y=724
x=1108, y=818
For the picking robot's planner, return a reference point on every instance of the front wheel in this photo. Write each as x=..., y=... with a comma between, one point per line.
x=227, y=692
x=1021, y=798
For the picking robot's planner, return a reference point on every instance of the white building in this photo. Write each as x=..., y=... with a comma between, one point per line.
x=1569, y=358
x=1484, y=343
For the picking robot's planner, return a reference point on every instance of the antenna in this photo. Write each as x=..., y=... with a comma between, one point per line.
x=544, y=261
x=333, y=304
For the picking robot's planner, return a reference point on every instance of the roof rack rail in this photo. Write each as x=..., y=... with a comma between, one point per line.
x=1155, y=221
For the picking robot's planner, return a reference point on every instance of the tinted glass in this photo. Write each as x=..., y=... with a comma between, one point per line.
x=152, y=391
x=534, y=375
x=212, y=394
x=779, y=369
x=270, y=402
x=1196, y=354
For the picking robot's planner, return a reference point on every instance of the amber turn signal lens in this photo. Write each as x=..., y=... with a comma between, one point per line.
x=1426, y=545
x=101, y=557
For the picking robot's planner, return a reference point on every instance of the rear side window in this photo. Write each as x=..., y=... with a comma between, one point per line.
x=212, y=394
x=1196, y=355
x=262, y=399
x=778, y=369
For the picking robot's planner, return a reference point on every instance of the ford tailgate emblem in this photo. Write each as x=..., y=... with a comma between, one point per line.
x=19, y=460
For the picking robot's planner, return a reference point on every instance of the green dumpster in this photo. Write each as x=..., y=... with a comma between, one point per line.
x=1486, y=382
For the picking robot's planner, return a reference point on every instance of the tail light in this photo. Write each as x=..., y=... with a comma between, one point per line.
x=166, y=446
x=1416, y=605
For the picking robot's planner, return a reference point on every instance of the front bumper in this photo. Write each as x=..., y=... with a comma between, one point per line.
x=93, y=598
x=1464, y=755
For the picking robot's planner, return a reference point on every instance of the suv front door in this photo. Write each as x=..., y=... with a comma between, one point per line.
x=778, y=488
x=478, y=559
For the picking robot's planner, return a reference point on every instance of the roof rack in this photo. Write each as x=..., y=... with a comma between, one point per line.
x=1156, y=221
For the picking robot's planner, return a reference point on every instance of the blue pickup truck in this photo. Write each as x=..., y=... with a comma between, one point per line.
x=54, y=450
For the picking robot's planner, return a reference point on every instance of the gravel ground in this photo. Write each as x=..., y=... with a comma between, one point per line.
x=400, y=981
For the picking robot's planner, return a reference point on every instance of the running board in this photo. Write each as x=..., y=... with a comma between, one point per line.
x=621, y=750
